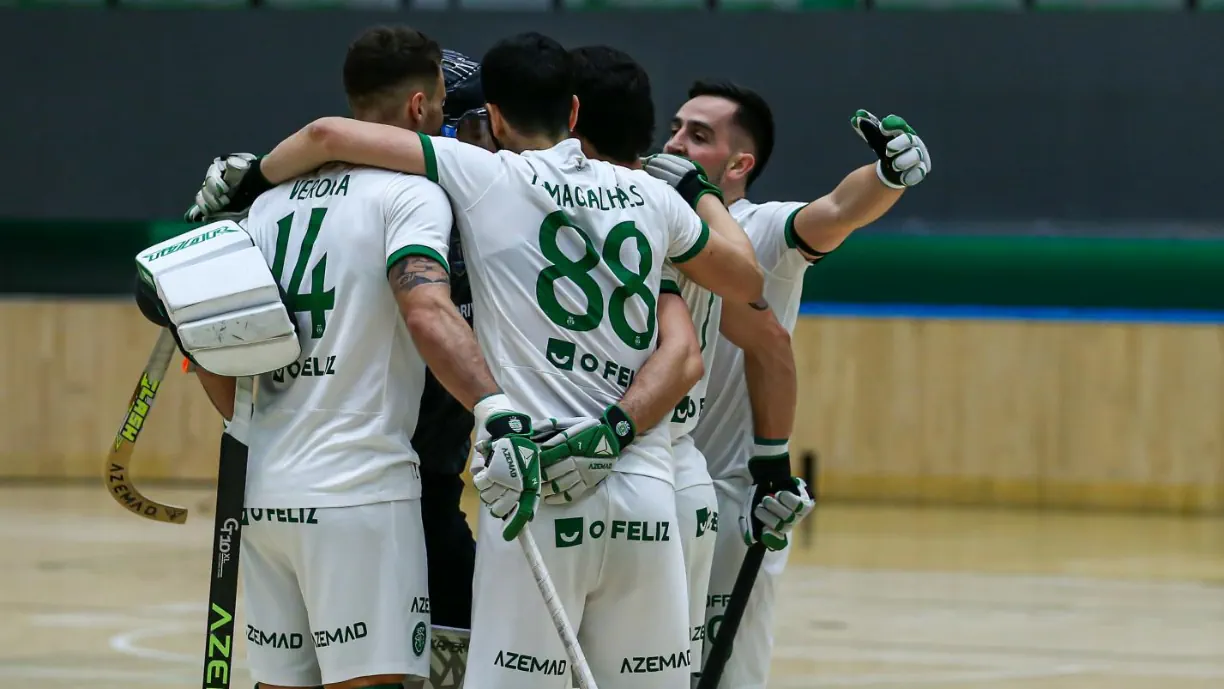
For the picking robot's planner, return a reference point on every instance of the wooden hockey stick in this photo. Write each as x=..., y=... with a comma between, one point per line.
x=578, y=661
x=227, y=541
x=118, y=460
x=724, y=638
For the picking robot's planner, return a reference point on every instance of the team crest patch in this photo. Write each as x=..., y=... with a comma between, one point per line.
x=419, y=636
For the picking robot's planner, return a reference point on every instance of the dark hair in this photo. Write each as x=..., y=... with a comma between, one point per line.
x=530, y=78
x=752, y=115
x=615, y=112
x=384, y=59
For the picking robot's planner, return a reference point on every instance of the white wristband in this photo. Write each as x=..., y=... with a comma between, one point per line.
x=765, y=447
x=489, y=404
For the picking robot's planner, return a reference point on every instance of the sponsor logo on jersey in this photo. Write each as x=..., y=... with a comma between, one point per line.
x=707, y=520
x=562, y=354
x=343, y=635
x=258, y=637
x=531, y=664
x=420, y=604
x=420, y=637
x=698, y=633
x=687, y=408
x=311, y=366
x=570, y=531
x=300, y=515
x=645, y=664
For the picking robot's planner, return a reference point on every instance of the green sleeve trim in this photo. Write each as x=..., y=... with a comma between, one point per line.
x=789, y=231
x=431, y=158
x=417, y=250
x=669, y=287
x=769, y=441
x=697, y=245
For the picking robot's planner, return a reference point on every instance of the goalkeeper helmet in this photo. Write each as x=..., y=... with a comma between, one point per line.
x=464, y=96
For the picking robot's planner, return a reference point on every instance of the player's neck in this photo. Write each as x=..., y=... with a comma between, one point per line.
x=518, y=143
x=730, y=196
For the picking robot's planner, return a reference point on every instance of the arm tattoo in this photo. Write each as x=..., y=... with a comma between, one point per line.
x=411, y=271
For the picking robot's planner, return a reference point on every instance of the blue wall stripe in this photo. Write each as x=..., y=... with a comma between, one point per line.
x=1012, y=313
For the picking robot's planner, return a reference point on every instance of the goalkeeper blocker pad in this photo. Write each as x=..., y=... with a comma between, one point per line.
x=221, y=296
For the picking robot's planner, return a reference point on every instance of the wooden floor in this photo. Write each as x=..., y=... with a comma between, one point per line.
x=873, y=597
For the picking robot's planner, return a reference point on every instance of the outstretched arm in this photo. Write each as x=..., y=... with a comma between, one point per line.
x=859, y=200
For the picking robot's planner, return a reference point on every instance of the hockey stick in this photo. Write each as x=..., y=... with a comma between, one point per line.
x=724, y=638
x=578, y=661
x=227, y=541
x=116, y=469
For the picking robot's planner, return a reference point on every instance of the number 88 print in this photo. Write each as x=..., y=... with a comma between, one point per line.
x=633, y=281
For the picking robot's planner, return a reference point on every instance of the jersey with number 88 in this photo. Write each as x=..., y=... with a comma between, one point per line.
x=334, y=429
x=565, y=255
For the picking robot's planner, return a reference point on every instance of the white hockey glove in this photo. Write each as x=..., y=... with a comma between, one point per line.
x=685, y=176
x=230, y=186
x=577, y=454
x=777, y=503
x=904, y=160
x=507, y=473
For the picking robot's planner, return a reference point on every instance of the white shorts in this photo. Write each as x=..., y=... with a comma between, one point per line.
x=334, y=594
x=697, y=511
x=615, y=558
x=748, y=666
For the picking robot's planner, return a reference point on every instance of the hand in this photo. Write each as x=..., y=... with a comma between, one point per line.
x=686, y=176
x=778, y=502
x=506, y=470
x=577, y=454
x=904, y=160
x=230, y=186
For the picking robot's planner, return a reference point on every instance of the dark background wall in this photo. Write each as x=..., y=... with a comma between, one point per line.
x=1041, y=118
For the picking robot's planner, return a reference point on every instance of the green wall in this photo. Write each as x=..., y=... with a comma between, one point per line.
x=870, y=269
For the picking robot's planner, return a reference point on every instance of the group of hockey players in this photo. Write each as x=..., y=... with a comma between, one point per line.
x=490, y=247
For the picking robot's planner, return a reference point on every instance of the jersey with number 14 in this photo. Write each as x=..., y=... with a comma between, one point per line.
x=334, y=428
x=565, y=256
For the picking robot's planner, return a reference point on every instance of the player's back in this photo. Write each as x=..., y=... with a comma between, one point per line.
x=334, y=428
x=565, y=255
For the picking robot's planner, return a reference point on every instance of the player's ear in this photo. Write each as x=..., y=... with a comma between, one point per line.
x=497, y=124
x=416, y=108
x=573, y=118
x=740, y=165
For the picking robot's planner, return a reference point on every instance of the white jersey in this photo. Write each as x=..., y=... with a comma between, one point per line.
x=334, y=428
x=565, y=256
x=724, y=433
x=706, y=309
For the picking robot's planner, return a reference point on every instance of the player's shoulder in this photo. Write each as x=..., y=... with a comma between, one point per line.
x=762, y=216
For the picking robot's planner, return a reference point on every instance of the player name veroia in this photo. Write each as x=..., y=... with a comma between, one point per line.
x=319, y=188
x=597, y=198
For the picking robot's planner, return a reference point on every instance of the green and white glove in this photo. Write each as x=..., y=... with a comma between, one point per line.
x=507, y=472
x=231, y=185
x=904, y=159
x=577, y=454
x=685, y=176
x=778, y=500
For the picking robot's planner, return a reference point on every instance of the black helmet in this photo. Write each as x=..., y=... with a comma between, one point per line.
x=464, y=96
